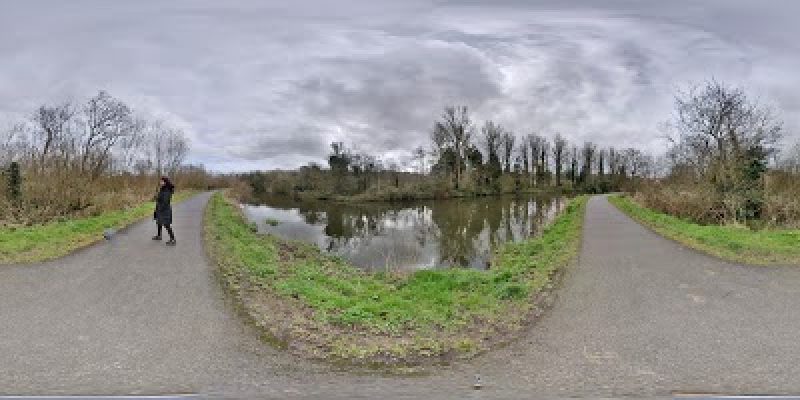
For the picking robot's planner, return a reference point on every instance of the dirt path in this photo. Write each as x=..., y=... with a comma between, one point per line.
x=637, y=316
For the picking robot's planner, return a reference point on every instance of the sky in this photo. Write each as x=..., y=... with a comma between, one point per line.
x=270, y=84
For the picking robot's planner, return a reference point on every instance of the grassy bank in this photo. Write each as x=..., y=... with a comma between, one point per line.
x=49, y=241
x=392, y=194
x=733, y=243
x=321, y=307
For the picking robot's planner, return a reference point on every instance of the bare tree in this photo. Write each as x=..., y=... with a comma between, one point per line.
x=454, y=131
x=573, y=165
x=167, y=147
x=493, y=141
x=107, y=122
x=601, y=162
x=535, y=146
x=508, y=150
x=524, y=156
x=717, y=125
x=612, y=161
x=637, y=163
x=51, y=125
x=587, y=153
x=544, y=152
x=12, y=144
x=559, y=146
x=177, y=148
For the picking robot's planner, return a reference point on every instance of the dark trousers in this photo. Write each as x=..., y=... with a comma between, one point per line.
x=169, y=230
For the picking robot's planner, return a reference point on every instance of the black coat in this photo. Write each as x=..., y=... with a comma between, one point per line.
x=163, y=213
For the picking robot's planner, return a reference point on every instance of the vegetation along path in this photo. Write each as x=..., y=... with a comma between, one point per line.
x=637, y=315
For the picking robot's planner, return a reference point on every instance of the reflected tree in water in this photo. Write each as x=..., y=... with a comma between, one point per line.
x=445, y=233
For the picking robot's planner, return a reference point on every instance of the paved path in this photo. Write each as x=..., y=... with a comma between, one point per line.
x=637, y=316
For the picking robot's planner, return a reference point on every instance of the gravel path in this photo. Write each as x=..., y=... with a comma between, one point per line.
x=637, y=316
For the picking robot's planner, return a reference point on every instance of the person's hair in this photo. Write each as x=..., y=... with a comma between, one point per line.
x=168, y=183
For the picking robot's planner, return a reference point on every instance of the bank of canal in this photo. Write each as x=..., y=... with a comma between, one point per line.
x=323, y=307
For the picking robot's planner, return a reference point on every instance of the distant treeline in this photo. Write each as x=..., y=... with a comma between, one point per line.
x=723, y=164
x=462, y=161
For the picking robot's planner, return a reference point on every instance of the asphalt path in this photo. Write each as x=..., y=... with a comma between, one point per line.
x=637, y=315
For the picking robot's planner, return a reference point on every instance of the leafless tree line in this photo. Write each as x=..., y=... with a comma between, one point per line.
x=73, y=159
x=100, y=136
x=495, y=151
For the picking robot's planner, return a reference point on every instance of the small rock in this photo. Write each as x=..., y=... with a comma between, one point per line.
x=108, y=234
x=477, y=385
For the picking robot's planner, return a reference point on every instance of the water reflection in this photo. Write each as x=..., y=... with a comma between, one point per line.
x=425, y=234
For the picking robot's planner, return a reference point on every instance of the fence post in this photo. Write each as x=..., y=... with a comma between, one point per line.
x=14, y=182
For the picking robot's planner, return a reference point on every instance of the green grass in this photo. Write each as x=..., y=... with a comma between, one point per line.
x=733, y=243
x=272, y=222
x=350, y=314
x=49, y=241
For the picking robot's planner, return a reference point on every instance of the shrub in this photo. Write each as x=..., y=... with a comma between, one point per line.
x=778, y=205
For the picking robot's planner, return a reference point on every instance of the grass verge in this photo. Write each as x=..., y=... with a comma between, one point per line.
x=733, y=243
x=56, y=239
x=321, y=307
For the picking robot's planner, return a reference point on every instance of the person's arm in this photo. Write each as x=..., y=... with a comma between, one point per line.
x=159, y=203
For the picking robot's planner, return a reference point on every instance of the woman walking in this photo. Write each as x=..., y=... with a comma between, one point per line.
x=163, y=213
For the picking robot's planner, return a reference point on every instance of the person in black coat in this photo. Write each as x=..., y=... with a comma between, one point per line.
x=163, y=212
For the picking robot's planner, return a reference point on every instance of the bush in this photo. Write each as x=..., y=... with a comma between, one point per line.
x=778, y=205
x=598, y=186
x=782, y=200
x=697, y=203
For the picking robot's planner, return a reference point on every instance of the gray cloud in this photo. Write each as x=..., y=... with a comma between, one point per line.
x=263, y=84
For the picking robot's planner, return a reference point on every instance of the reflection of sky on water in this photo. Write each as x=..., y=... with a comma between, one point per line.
x=292, y=224
x=434, y=234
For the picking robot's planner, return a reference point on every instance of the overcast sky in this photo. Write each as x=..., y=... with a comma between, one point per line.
x=269, y=84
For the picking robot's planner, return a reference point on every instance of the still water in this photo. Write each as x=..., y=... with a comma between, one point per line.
x=411, y=235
